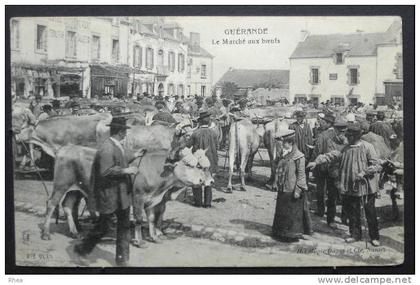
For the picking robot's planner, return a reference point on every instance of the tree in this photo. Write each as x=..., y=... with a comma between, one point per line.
x=229, y=89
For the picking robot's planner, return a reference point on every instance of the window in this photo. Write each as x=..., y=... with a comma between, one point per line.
x=71, y=44
x=96, y=48
x=171, y=61
x=203, y=72
x=339, y=58
x=180, y=90
x=137, y=56
x=14, y=34
x=115, y=50
x=354, y=76
x=189, y=89
x=315, y=75
x=300, y=98
x=171, y=89
x=41, y=38
x=181, y=62
x=338, y=101
x=399, y=67
x=149, y=58
x=333, y=76
x=203, y=90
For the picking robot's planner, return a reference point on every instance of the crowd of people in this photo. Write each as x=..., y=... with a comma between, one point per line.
x=346, y=167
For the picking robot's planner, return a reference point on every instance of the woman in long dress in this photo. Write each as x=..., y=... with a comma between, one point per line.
x=291, y=218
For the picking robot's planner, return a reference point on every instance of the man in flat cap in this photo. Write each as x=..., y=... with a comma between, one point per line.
x=359, y=168
x=382, y=128
x=205, y=138
x=111, y=193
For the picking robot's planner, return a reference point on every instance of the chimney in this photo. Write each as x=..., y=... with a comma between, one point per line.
x=195, y=41
x=303, y=35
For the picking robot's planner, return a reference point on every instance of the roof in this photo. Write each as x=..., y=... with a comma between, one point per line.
x=202, y=52
x=246, y=78
x=358, y=44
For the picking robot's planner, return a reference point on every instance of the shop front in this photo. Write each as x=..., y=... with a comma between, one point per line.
x=49, y=80
x=108, y=81
x=393, y=92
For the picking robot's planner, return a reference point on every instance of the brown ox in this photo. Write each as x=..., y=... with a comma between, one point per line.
x=152, y=185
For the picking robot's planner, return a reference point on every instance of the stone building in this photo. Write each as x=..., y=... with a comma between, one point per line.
x=348, y=68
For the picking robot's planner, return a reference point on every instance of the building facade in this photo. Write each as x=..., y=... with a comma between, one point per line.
x=53, y=56
x=199, y=68
x=103, y=56
x=346, y=69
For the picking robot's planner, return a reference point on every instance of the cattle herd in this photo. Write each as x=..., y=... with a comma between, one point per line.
x=167, y=166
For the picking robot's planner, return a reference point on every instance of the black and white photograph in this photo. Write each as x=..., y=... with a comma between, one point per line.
x=207, y=141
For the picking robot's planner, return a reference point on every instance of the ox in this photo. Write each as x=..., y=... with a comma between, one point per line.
x=55, y=132
x=152, y=185
x=244, y=140
x=157, y=180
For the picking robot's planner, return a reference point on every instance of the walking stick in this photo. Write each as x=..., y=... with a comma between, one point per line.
x=363, y=198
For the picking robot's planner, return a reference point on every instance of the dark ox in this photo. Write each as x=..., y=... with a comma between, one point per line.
x=72, y=182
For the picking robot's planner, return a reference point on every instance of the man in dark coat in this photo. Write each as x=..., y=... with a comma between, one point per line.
x=324, y=182
x=303, y=134
x=205, y=138
x=382, y=128
x=111, y=186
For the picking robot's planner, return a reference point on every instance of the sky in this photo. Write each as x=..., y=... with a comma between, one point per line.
x=268, y=56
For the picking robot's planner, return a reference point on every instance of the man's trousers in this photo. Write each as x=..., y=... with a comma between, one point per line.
x=325, y=186
x=103, y=226
x=353, y=207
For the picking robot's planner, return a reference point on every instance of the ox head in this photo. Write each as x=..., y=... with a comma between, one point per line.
x=189, y=169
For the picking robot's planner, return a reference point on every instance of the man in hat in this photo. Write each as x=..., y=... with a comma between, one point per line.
x=35, y=106
x=111, y=193
x=324, y=144
x=225, y=121
x=370, y=116
x=359, y=167
x=303, y=134
x=163, y=115
x=47, y=112
x=205, y=138
x=382, y=128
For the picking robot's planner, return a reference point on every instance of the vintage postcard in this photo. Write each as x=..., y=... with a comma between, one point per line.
x=195, y=141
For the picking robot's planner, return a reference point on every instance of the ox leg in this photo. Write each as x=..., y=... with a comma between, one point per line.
x=159, y=210
x=52, y=205
x=69, y=204
x=31, y=154
x=244, y=161
x=271, y=149
x=45, y=235
x=138, y=206
x=152, y=229
x=248, y=169
x=232, y=152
